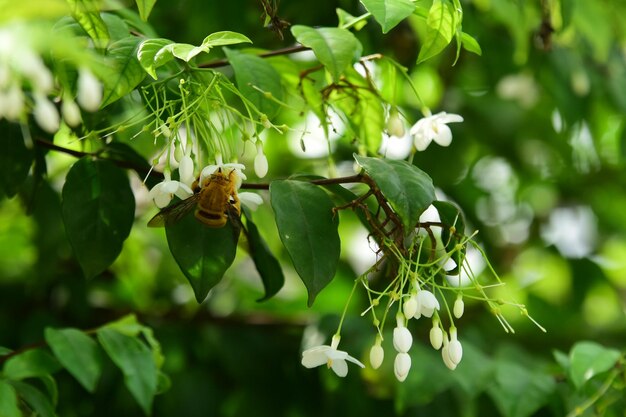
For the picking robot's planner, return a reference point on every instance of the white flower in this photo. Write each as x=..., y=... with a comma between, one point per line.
x=434, y=128
x=329, y=355
x=459, y=307
x=427, y=303
x=12, y=102
x=409, y=308
x=455, y=350
x=163, y=192
x=395, y=125
x=446, y=357
x=185, y=170
x=89, y=90
x=377, y=354
x=251, y=200
x=436, y=336
x=71, y=112
x=401, y=366
x=46, y=114
x=260, y=161
x=402, y=339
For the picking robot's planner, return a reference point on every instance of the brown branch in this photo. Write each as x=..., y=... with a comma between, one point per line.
x=284, y=51
x=323, y=181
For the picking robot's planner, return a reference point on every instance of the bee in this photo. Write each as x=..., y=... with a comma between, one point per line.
x=215, y=202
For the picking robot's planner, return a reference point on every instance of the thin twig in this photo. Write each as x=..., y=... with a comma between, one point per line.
x=284, y=51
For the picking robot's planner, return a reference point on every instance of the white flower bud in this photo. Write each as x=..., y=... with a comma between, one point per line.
x=446, y=358
x=402, y=339
x=185, y=170
x=46, y=114
x=410, y=307
x=401, y=366
x=436, y=336
x=428, y=302
x=377, y=354
x=455, y=350
x=260, y=161
x=335, y=341
x=178, y=151
x=71, y=112
x=395, y=126
x=89, y=90
x=459, y=307
x=13, y=103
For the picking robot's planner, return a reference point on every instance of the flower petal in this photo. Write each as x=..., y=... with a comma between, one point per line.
x=162, y=200
x=450, y=118
x=355, y=361
x=183, y=191
x=444, y=135
x=185, y=169
x=251, y=200
x=312, y=358
x=340, y=367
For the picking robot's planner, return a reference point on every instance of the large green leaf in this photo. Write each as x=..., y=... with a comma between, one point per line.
x=135, y=361
x=389, y=12
x=32, y=363
x=149, y=57
x=266, y=264
x=78, y=353
x=518, y=391
x=124, y=72
x=256, y=79
x=8, y=401
x=440, y=28
x=408, y=189
x=145, y=7
x=224, y=38
x=202, y=253
x=335, y=48
x=87, y=15
x=36, y=400
x=588, y=359
x=98, y=211
x=308, y=228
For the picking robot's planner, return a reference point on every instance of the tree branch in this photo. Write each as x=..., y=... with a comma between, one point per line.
x=284, y=51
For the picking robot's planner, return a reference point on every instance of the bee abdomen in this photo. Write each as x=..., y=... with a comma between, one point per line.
x=211, y=219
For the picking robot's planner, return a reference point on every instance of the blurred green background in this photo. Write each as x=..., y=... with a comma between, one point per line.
x=537, y=166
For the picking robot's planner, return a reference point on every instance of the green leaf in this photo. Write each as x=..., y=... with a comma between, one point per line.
x=389, y=12
x=266, y=264
x=184, y=51
x=347, y=20
x=202, y=253
x=117, y=27
x=408, y=189
x=124, y=72
x=145, y=7
x=32, y=363
x=78, y=353
x=35, y=399
x=588, y=359
x=308, y=229
x=15, y=159
x=98, y=211
x=135, y=361
x=127, y=325
x=257, y=80
x=87, y=15
x=8, y=401
x=518, y=391
x=440, y=28
x=4, y=351
x=147, y=55
x=470, y=44
x=334, y=47
x=223, y=38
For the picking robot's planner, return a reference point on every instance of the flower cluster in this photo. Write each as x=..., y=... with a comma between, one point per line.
x=26, y=84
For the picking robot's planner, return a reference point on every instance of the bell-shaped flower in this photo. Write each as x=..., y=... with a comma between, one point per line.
x=260, y=161
x=70, y=112
x=89, y=94
x=427, y=303
x=459, y=307
x=402, y=339
x=46, y=114
x=330, y=356
x=402, y=366
x=163, y=192
x=409, y=308
x=185, y=170
x=377, y=354
x=434, y=127
x=436, y=336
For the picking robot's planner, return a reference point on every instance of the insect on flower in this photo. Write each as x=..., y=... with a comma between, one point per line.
x=215, y=202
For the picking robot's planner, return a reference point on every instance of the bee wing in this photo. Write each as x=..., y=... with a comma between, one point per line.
x=235, y=219
x=171, y=214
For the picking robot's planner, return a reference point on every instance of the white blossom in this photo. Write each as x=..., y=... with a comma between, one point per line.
x=395, y=125
x=459, y=307
x=402, y=366
x=12, y=103
x=455, y=350
x=427, y=303
x=329, y=355
x=71, y=112
x=163, y=192
x=260, y=161
x=402, y=339
x=377, y=354
x=409, y=308
x=185, y=170
x=46, y=114
x=89, y=90
x=436, y=336
x=252, y=200
x=435, y=128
